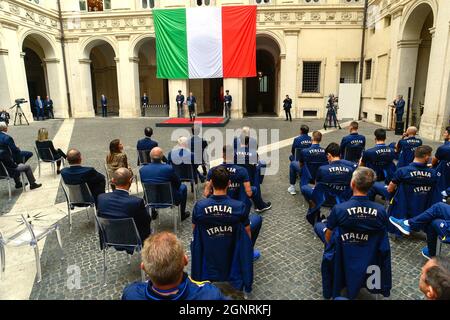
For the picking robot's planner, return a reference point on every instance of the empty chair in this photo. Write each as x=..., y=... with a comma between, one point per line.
x=143, y=157
x=120, y=234
x=78, y=195
x=29, y=236
x=160, y=196
x=186, y=173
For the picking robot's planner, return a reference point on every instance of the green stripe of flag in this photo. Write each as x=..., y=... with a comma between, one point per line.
x=171, y=44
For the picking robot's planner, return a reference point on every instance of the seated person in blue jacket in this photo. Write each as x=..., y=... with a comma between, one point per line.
x=359, y=213
x=354, y=139
x=7, y=143
x=119, y=204
x=380, y=159
x=407, y=145
x=312, y=155
x=77, y=174
x=435, y=279
x=338, y=173
x=164, y=260
x=158, y=172
x=417, y=171
x=219, y=205
x=303, y=141
x=147, y=143
x=181, y=154
x=240, y=187
x=248, y=158
x=443, y=152
x=14, y=170
x=435, y=221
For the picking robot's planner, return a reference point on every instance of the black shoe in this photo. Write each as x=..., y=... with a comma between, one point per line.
x=186, y=215
x=268, y=207
x=35, y=186
x=154, y=214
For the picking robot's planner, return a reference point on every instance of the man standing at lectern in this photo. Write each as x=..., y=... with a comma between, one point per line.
x=227, y=99
x=399, y=104
x=191, y=101
x=180, y=102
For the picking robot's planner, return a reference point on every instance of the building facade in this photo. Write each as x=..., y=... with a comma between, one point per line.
x=305, y=48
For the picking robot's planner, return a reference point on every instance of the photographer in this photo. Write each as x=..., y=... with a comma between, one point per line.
x=4, y=117
x=332, y=107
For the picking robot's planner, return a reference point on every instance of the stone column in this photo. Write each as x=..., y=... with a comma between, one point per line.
x=289, y=67
x=127, y=80
x=85, y=106
x=5, y=85
x=408, y=51
x=56, y=87
x=435, y=116
x=236, y=87
x=174, y=86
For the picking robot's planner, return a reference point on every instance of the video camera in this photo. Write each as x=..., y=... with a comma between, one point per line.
x=21, y=100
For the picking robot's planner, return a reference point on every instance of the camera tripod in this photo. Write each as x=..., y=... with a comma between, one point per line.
x=331, y=117
x=20, y=113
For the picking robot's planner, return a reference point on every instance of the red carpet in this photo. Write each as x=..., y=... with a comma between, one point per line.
x=185, y=122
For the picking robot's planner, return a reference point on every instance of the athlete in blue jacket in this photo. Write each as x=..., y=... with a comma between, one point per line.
x=163, y=260
x=303, y=141
x=353, y=144
x=405, y=148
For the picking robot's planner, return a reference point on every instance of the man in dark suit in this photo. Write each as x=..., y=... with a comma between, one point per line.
x=180, y=102
x=104, y=103
x=48, y=104
x=39, y=105
x=7, y=144
x=119, y=204
x=287, y=105
x=14, y=170
x=227, y=99
x=144, y=103
x=146, y=144
x=399, y=104
x=191, y=102
x=77, y=174
x=198, y=146
x=158, y=172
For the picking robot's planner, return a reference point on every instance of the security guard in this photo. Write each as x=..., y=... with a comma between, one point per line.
x=163, y=251
x=180, y=103
x=227, y=99
x=357, y=214
x=144, y=104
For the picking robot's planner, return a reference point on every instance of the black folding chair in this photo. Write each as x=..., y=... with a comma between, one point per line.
x=120, y=234
x=46, y=155
x=80, y=196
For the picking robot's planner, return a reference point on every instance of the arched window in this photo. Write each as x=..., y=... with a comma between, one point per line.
x=95, y=5
x=148, y=4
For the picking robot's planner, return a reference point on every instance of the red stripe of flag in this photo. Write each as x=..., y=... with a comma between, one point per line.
x=239, y=41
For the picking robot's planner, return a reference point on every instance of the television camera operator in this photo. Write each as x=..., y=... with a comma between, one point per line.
x=332, y=107
x=4, y=117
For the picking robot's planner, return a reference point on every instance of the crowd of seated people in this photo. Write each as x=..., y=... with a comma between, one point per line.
x=354, y=232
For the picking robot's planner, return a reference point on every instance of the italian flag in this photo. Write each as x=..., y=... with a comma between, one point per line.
x=206, y=42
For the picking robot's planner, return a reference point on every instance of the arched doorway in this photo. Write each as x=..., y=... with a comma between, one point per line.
x=37, y=52
x=262, y=91
x=209, y=95
x=156, y=89
x=415, y=49
x=104, y=78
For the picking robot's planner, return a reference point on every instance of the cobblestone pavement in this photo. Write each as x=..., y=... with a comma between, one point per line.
x=289, y=267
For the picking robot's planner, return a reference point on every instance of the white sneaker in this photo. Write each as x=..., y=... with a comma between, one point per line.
x=291, y=190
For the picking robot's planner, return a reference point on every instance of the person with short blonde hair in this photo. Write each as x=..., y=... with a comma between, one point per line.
x=44, y=145
x=164, y=260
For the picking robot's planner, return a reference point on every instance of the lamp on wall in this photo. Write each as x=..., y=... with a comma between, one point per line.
x=260, y=75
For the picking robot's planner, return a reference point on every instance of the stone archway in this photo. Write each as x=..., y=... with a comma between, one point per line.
x=262, y=92
x=156, y=89
x=98, y=73
x=414, y=58
x=42, y=72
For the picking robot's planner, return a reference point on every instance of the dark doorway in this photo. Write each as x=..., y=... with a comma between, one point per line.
x=213, y=96
x=35, y=77
x=260, y=91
